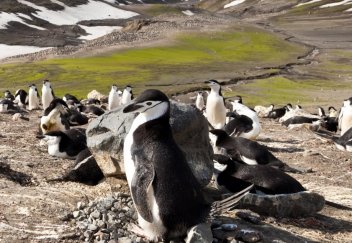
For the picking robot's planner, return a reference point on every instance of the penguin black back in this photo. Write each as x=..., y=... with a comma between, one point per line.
x=265, y=178
x=240, y=124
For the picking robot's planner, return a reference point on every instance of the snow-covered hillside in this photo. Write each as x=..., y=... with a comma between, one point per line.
x=57, y=18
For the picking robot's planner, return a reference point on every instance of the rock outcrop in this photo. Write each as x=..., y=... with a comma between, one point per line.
x=105, y=138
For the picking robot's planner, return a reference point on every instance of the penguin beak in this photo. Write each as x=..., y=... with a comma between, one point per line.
x=131, y=108
x=207, y=82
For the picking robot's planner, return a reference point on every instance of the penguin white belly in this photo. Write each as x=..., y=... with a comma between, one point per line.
x=114, y=101
x=346, y=122
x=200, y=103
x=53, y=150
x=47, y=97
x=33, y=101
x=126, y=98
x=248, y=161
x=216, y=112
x=156, y=228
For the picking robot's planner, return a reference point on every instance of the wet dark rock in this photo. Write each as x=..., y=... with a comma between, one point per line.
x=301, y=204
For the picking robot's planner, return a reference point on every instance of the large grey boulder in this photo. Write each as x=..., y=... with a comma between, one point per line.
x=295, y=205
x=105, y=138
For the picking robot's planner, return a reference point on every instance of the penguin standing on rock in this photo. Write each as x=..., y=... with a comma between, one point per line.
x=33, y=98
x=127, y=95
x=168, y=204
x=114, y=99
x=47, y=94
x=248, y=151
x=215, y=108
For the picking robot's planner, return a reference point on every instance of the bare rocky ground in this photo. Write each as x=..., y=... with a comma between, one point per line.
x=33, y=210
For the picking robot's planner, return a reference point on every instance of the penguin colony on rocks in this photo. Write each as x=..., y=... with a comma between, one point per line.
x=170, y=204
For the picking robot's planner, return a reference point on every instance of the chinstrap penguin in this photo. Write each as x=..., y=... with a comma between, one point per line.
x=241, y=109
x=114, y=99
x=168, y=204
x=127, y=95
x=55, y=117
x=236, y=176
x=215, y=107
x=239, y=125
x=345, y=116
x=21, y=98
x=47, y=94
x=200, y=101
x=85, y=170
x=33, y=98
x=248, y=151
x=8, y=95
x=67, y=144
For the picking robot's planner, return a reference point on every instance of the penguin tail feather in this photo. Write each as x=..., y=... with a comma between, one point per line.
x=224, y=205
x=338, y=206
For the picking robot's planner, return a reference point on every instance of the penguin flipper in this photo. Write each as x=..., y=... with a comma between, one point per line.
x=141, y=182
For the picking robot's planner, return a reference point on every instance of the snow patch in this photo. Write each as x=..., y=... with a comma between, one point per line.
x=188, y=12
x=5, y=18
x=8, y=51
x=97, y=31
x=71, y=15
x=234, y=3
x=344, y=2
x=310, y=2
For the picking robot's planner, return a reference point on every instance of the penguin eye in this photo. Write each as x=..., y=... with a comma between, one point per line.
x=149, y=103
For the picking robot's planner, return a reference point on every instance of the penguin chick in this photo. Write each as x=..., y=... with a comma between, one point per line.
x=167, y=204
x=67, y=144
x=248, y=151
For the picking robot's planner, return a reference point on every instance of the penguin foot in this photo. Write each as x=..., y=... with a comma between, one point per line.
x=140, y=232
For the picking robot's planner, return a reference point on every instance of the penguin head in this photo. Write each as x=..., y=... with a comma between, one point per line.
x=7, y=92
x=152, y=102
x=56, y=103
x=114, y=87
x=213, y=84
x=46, y=83
x=347, y=102
x=128, y=88
x=221, y=135
x=238, y=99
x=33, y=87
